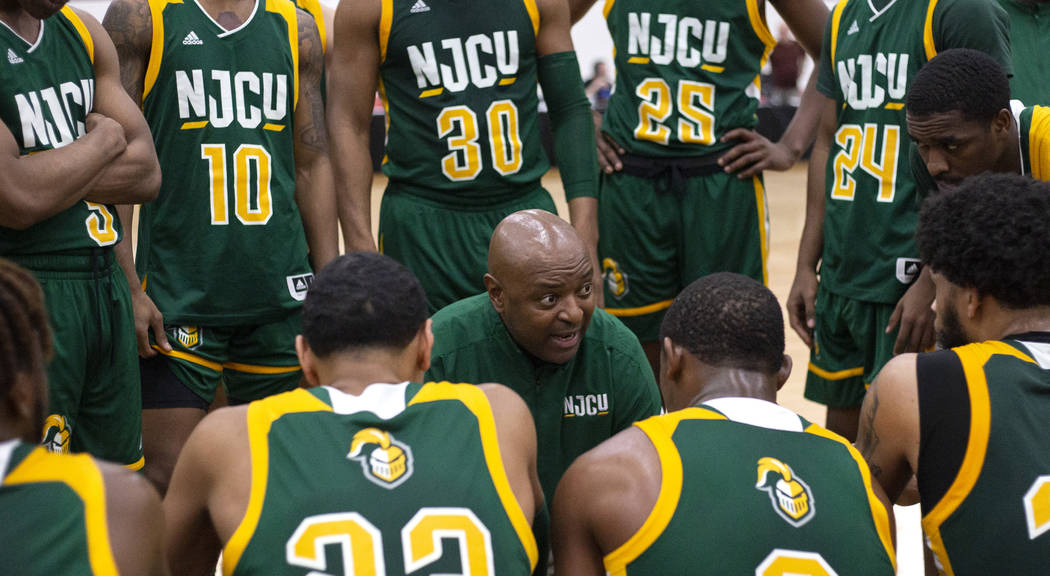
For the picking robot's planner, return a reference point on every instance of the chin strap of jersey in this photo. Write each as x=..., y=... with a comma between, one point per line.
x=571, y=122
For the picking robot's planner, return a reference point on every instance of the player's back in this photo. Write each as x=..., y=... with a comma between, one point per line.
x=400, y=478
x=686, y=73
x=52, y=513
x=223, y=244
x=984, y=467
x=737, y=498
x=460, y=98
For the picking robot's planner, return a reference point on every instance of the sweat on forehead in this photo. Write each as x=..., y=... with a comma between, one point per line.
x=529, y=235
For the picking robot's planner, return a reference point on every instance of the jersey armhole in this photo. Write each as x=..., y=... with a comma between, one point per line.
x=944, y=423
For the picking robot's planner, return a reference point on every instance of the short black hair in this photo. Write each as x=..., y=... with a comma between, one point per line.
x=992, y=234
x=363, y=300
x=962, y=79
x=728, y=320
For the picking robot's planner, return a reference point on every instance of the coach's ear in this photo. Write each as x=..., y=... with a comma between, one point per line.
x=307, y=361
x=495, y=290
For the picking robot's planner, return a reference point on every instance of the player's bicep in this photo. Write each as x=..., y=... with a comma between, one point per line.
x=806, y=19
x=355, y=66
x=555, y=24
x=888, y=435
x=311, y=135
x=129, y=24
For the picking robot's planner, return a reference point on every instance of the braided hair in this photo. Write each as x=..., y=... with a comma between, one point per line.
x=25, y=338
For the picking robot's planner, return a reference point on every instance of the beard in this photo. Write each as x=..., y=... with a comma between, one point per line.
x=951, y=332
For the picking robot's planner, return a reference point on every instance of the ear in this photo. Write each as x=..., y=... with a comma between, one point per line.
x=425, y=340
x=973, y=302
x=307, y=361
x=784, y=372
x=671, y=360
x=495, y=290
x=1002, y=122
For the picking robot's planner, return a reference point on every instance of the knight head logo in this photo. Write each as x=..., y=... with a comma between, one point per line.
x=384, y=460
x=614, y=278
x=188, y=336
x=56, y=434
x=790, y=496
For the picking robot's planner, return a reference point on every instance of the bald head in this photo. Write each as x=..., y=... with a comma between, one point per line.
x=539, y=282
x=529, y=236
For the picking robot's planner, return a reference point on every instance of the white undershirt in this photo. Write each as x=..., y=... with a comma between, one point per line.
x=757, y=412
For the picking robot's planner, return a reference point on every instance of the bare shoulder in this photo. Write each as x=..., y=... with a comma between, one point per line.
x=129, y=24
x=504, y=401
x=133, y=508
x=897, y=381
x=357, y=14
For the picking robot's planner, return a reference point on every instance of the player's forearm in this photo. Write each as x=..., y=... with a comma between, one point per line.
x=583, y=214
x=131, y=178
x=353, y=172
x=812, y=243
x=802, y=130
x=572, y=124
x=124, y=251
x=35, y=187
x=315, y=196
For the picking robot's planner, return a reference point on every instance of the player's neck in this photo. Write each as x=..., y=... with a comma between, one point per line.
x=1014, y=322
x=734, y=383
x=353, y=375
x=20, y=21
x=229, y=14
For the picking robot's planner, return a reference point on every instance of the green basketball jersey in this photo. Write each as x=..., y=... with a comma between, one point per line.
x=460, y=98
x=1034, y=131
x=737, y=498
x=402, y=478
x=995, y=514
x=686, y=73
x=47, y=88
x=52, y=513
x=867, y=60
x=223, y=243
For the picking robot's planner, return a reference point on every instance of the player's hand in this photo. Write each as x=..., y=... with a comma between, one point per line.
x=109, y=130
x=800, y=305
x=754, y=153
x=608, y=150
x=915, y=316
x=148, y=317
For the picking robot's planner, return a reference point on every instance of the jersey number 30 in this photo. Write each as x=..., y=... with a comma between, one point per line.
x=460, y=125
x=361, y=543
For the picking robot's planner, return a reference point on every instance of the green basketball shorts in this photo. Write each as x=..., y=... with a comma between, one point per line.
x=656, y=238
x=850, y=346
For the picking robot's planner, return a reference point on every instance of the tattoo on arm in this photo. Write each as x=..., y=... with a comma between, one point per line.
x=868, y=442
x=311, y=70
x=129, y=24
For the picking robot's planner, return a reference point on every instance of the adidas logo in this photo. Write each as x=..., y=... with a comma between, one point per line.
x=191, y=39
x=853, y=29
x=13, y=58
x=419, y=6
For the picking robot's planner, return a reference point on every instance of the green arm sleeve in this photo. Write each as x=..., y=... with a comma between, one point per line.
x=571, y=122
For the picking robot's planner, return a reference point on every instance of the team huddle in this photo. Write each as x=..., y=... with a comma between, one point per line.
x=485, y=387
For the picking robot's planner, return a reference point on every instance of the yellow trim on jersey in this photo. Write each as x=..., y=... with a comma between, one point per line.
x=641, y=310
x=193, y=125
x=78, y=24
x=136, y=465
x=507, y=81
x=758, y=24
x=428, y=93
x=257, y=369
x=81, y=475
x=261, y=416
x=878, y=511
x=534, y=15
x=973, y=358
x=1039, y=143
x=895, y=106
x=287, y=10
x=386, y=18
x=836, y=16
x=273, y=127
x=713, y=69
x=156, y=48
x=659, y=430
x=638, y=60
x=189, y=358
x=313, y=7
x=607, y=8
x=837, y=375
x=763, y=225
x=475, y=400
x=927, y=31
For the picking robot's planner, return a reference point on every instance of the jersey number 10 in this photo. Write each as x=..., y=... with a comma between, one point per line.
x=251, y=174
